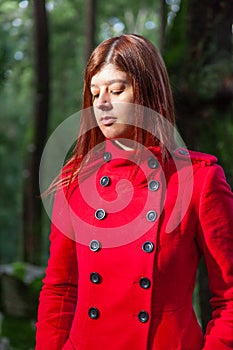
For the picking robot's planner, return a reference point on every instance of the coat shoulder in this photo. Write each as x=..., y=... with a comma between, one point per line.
x=195, y=157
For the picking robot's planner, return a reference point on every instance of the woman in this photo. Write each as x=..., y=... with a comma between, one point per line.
x=132, y=217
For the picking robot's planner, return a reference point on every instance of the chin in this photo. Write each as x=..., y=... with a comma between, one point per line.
x=116, y=133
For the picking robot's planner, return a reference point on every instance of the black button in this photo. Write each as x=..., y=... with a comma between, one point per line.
x=104, y=181
x=145, y=282
x=100, y=214
x=153, y=163
x=95, y=277
x=151, y=215
x=95, y=245
x=93, y=313
x=143, y=316
x=153, y=185
x=107, y=156
x=148, y=247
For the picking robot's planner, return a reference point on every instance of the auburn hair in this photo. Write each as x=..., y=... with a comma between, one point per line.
x=142, y=62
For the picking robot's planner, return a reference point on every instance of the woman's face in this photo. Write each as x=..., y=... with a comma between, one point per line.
x=112, y=93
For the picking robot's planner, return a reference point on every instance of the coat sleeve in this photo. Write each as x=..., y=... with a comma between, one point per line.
x=216, y=240
x=59, y=292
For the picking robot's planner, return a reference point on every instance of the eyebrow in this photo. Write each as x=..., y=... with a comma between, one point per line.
x=113, y=81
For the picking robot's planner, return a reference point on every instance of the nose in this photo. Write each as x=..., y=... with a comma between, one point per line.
x=104, y=102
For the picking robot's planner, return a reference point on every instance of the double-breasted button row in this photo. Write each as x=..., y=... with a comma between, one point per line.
x=147, y=246
x=152, y=162
x=151, y=215
x=96, y=279
x=94, y=313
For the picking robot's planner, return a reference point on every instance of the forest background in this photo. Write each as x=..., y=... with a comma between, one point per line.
x=43, y=50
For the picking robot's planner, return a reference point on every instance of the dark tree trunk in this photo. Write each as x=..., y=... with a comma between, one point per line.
x=32, y=215
x=163, y=24
x=90, y=27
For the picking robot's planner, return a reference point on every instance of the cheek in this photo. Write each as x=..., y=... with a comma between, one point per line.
x=96, y=112
x=126, y=112
x=129, y=97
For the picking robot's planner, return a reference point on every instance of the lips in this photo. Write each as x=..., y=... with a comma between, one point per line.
x=108, y=120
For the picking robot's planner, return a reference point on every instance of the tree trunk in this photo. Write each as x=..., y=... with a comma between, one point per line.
x=163, y=24
x=90, y=27
x=32, y=208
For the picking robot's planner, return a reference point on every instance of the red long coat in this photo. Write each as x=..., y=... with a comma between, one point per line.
x=125, y=281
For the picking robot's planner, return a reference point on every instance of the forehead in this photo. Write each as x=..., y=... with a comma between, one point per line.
x=108, y=75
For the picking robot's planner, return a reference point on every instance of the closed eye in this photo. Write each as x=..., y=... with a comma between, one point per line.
x=116, y=92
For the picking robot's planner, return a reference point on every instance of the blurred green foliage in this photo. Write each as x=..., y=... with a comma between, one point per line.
x=67, y=61
x=20, y=333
